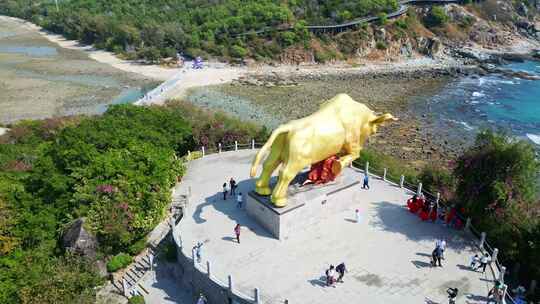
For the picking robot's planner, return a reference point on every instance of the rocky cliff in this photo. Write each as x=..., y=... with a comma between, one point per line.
x=434, y=31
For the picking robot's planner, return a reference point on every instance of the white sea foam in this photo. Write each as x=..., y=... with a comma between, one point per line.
x=535, y=138
x=464, y=124
x=495, y=80
x=478, y=94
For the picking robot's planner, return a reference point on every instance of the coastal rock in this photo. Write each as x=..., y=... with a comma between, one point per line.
x=77, y=240
x=406, y=49
x=297, y=56
x=429, y=46
x=380, y=34
x=522, y=9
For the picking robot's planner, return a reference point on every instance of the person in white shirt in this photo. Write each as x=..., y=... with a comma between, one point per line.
x=475, y=260
x=239, y=200
x=225, y=190
x=484, y=261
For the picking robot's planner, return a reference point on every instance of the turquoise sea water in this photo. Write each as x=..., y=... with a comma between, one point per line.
x=469, y=104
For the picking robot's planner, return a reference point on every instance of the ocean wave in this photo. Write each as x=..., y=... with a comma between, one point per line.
x=464, y=124
x=534, y=138
x=490, y=80
x=478, y=94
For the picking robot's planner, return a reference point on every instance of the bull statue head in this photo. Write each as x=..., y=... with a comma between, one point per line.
x=340, y=127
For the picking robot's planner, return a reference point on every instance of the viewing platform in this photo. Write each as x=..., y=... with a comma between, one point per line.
x=387, y=254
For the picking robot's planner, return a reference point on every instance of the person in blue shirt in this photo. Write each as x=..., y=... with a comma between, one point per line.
x=366, y=181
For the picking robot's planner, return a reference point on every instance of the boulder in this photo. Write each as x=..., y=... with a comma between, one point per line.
x=77, y=240
x=522, y=9
x=429, y=46
x=380, y=34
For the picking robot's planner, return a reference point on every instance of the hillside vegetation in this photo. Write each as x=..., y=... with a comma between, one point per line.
x=115, y=170
x=160, y=28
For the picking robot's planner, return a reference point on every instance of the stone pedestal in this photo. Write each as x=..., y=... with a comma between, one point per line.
x=306, y=205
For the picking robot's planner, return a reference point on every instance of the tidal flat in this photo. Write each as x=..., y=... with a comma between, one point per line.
x=39, y=79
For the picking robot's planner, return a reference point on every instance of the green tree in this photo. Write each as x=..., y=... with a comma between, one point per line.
x=436, y=17
x=497, y=183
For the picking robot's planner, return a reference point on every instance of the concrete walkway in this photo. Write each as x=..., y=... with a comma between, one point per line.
x=387, y=254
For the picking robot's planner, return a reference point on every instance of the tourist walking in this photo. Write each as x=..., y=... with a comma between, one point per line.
x=442, y=245
x=232, y=184
x=341, y=269
x=452, y=295
x=484, y=261
x=366, y=181
x=357, y=216
x=239, y=199
x=475, y=260
x=237, y=232
x=496, y=293
x=197, y=249
x=330, y=276
x=436, y=256
x=225, y=190
x=202, y=299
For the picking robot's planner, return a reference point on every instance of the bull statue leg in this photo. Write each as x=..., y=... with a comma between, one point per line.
x=287, y=173
x=262, y=185
x=352, y=153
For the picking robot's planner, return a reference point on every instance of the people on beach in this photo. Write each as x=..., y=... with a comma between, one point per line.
x=330, y=280
x=232, y=185
x=225, y=190
x=341, y=269
x=239, y=200
x=237, y=232
x=365, y=185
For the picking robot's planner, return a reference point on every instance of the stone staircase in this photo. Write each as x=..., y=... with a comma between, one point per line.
x=128, y=282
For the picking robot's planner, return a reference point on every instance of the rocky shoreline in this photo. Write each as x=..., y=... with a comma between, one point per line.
x=293, y=93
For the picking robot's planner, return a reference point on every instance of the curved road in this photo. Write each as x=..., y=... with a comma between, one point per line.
x=403, y=6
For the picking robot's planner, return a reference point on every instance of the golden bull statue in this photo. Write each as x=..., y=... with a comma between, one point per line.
x=340, y=127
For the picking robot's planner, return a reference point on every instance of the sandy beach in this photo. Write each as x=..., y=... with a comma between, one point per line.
x=213, y=72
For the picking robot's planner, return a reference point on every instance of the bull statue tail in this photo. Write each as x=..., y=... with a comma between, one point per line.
x=266, y=147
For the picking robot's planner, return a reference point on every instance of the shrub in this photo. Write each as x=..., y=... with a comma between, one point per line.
x=381, y=45
x=440, y=180
x=238, y=51
x=137, y=247
x=402, y=24
x=383, y=18
x=193, y=155
x=436, y=17
x=119, y=261
x=136, y=300
x=379, y=161
x=287, y=38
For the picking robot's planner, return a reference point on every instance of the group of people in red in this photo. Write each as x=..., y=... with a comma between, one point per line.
x=427, y=210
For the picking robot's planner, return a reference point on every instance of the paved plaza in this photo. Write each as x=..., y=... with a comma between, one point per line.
x=387, y=254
